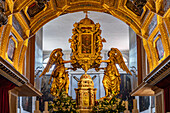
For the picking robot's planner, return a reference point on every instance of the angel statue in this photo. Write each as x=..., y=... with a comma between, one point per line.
x=111, y=79
x=59, y=73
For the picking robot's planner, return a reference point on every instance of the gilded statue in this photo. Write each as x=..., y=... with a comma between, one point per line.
x=59, y=73
x=111, y=79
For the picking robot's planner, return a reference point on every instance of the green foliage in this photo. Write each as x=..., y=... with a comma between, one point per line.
x=107, y=105
x=62, y=104
x=65, y=104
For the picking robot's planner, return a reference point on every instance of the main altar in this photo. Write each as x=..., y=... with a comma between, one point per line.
x=86, y=44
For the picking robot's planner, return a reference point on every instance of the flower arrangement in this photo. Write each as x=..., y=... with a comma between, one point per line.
x=109, y=105
x=65, y=104
x=62, y=104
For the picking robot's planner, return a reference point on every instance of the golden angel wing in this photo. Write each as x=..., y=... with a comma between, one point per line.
x=119, y=60
x=51, y=61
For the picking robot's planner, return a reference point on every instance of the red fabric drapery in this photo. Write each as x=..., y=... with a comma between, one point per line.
x=5, y=86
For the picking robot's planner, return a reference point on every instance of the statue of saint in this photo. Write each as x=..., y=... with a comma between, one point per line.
x=111, y=79
x=59, y=73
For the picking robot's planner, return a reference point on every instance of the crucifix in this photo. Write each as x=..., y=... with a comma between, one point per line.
x=86, y=13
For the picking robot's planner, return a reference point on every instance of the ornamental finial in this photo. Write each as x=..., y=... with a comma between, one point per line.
x=86, y=14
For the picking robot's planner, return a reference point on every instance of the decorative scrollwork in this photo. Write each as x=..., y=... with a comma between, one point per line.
x=86, y=44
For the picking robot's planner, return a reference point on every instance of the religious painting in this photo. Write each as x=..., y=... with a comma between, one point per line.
x=166, y=5
x=18, y=28
x=133, y=7
x=159, y=48
x=86, y=44
x=11, y=49
x=27, y=104
x=35, y=8
x=144, y=103
x=152, y=24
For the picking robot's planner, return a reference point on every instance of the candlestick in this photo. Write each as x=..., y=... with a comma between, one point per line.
x=134, y=104
x=37, y=105
x=46, y=106
x=126, y=105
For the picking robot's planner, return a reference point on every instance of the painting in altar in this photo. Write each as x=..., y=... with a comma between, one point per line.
x=27, y=104
x=11, y=49
x=86, y=44
x=159, y=48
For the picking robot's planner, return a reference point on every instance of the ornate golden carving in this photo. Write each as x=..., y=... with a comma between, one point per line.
x=119, y=10
x=22, y=56
x=85, y=93
x=86, y=44
x=59, y=73
x=111, y=79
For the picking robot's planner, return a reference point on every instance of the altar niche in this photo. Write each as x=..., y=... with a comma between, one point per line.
x=86, y=45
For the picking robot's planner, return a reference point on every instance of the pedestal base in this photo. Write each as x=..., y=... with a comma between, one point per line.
x=85, y=110
x=126, y=111
x=45, y=111
x=135, y=111
x=37, y=111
